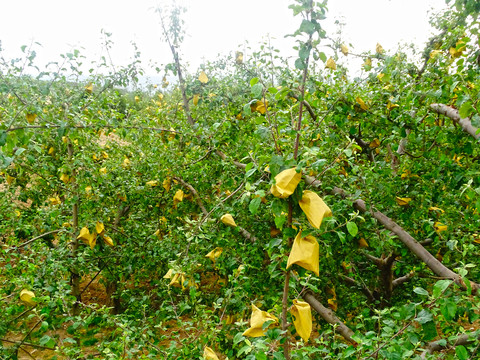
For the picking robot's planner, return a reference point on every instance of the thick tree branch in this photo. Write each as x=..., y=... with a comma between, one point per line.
x=414, y=246
x=329, y=316
x=455, y=116
x=463, y=339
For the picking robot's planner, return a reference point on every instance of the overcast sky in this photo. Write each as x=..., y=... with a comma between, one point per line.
x=212, y=26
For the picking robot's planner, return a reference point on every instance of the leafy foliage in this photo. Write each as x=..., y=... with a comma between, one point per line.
x=180, y=206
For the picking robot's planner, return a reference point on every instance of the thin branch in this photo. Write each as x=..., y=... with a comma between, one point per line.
x=52, y=126
x=194, y=192
x=399, y=281
x=27, y=344
x=38, y=237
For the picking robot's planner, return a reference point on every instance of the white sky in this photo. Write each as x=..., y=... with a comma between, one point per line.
x=212, y=26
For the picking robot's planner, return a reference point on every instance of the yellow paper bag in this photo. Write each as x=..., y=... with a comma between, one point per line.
x=315, y=208
x=178, y=197
x=302, y=314
x=28, y=297
x=227, y=219
x=166, y=184
x=214, y=254
x=257, y=320
x=209, y=354
x=285, y=183
x=305, y=253
x=89, y=239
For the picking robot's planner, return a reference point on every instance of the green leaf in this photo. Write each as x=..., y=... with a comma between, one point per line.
x=250, y=172
x=247, y=110
x=3, y=138
x=322, y=56
x=299, y=64
x=440, y=286
x=47, y=341
x=429, y=331
x=449, y=309
x=466, y=109
x=424, y=316
x=253, y=81
x=307, y=27
x=254, y=205
x=257, y=90
x=304, y=52
x=279, y=221
x=352, y=228
x=420, y=291
x=461, y=352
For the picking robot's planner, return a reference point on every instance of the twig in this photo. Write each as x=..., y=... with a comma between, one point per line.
x=194, y=192
x=217, y=205
x=38, y=237
x=27, y=344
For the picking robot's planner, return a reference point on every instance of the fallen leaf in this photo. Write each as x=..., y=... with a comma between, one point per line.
x=65, y=178
x=434, y=208
x=152, y=183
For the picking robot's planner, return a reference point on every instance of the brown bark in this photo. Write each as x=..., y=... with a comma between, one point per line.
x=365, y=290
x=194, y=193
x=74, y=275
x=113, y=299
x=455, y=116
x=435, y=346
x=330, y=317
x=415, y=247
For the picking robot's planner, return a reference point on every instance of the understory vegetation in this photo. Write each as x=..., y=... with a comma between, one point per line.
x=256, y=208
